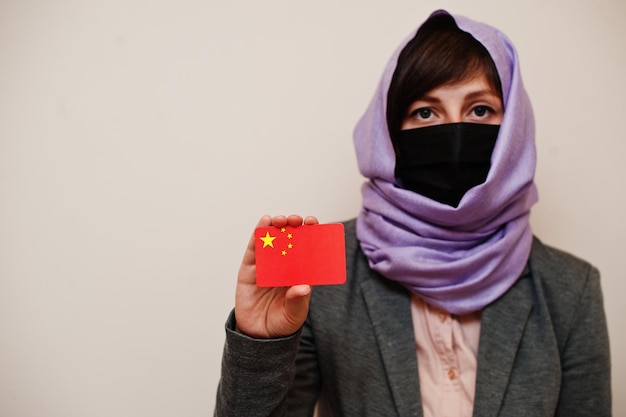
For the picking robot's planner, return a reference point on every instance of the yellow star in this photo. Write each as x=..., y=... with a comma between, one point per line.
x=283, y=230
x=268, y=240
x=290, y=245
x=289, y=235
x=284, y=253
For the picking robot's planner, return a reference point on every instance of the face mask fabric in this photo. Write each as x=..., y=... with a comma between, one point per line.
x=442, y=162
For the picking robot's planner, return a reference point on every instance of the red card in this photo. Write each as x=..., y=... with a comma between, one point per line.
x=308, y=254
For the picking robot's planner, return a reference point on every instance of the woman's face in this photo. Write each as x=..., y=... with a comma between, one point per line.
x=472, y=101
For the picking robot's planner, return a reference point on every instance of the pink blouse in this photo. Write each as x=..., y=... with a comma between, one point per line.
x=447, y=347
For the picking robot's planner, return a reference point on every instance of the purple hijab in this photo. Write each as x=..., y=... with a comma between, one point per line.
x=458, y=259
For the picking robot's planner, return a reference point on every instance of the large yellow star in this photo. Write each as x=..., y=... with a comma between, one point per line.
x=268, y=240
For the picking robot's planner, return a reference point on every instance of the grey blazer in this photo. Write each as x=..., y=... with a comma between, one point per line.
x=543, y=349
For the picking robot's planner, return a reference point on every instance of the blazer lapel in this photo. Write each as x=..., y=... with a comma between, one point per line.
x=389, y=307
x=502, y=327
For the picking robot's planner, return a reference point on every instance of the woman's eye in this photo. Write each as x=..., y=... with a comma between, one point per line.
x=422, y=113
x=482, y=111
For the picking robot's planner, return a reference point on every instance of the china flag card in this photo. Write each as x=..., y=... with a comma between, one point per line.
x=308, y=254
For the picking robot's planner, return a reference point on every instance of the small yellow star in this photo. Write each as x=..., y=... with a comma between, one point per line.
x=289, y=236
x=283, y=230
x=290, y=245
x=284, y=253
x=268, y=240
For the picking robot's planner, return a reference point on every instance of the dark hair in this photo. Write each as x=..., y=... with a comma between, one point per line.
x=440, y=53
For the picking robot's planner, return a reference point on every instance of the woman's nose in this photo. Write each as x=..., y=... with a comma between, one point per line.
x=454, y=117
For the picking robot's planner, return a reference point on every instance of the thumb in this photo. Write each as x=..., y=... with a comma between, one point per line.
x=297, y=304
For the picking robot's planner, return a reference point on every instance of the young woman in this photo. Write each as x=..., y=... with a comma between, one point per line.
x=451, y=307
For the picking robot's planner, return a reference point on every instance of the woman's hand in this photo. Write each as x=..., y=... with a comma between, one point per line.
x=270, y=312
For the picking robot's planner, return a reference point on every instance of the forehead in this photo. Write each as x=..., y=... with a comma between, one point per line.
x=479, y=83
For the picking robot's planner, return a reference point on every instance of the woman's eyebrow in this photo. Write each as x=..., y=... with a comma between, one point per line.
x=480, y=94
x=428, y=99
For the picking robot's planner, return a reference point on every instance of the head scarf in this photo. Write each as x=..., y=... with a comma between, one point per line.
x=458, y=259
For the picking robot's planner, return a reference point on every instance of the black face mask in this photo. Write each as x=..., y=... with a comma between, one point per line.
x=443, y=162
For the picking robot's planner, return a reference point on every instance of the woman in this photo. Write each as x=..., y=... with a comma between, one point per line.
x=451, y=307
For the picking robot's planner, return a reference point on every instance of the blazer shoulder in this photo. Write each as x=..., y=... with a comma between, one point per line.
x=558, y=267
x=565, y=283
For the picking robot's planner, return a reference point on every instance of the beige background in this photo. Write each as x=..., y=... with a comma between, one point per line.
x=140, y=140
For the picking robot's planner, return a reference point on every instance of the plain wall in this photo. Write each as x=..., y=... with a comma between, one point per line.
x=140, y=141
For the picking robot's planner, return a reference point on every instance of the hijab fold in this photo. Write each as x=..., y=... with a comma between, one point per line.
x=457, y=259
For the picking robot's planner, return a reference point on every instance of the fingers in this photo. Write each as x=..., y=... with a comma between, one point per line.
x=279, y=221
x=264, y=221
x=310, y=220
x=292, y=220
